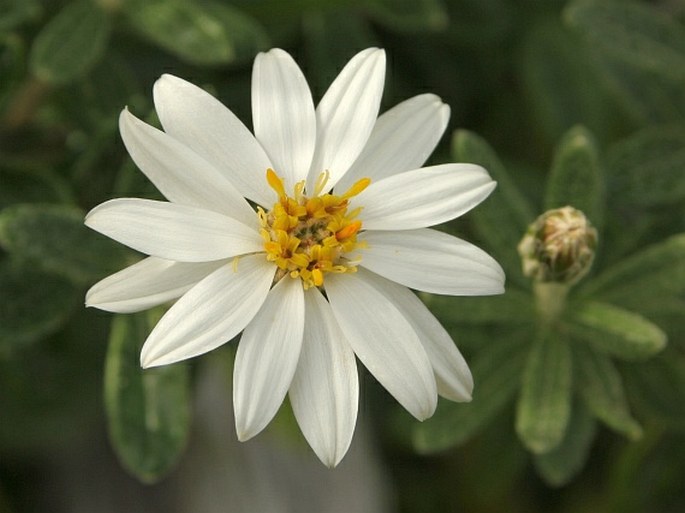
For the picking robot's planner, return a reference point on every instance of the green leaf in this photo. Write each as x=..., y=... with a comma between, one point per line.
x=34, y=304
x=147, y=410
x=479, y=24
x=496, y=463
x=653, y=272
x=502, y=219
x=50, y=396
x=71, y=43
x=55, y=238
x=647, y=97
x=640, y=50
x=544, y=406
x=513, y=307
x=667, y=313
x=207, y=33
x=560, y=83
x=28, y=186
x=16, y=12
x=646, y=169
x=496, y=371
x=96, y=101
x=560, y=465
x=616, y=331
x=658, y=386
x=632, y=33
x=576, y=177
x=601, y=388
x=409, y=15
x=12, y=64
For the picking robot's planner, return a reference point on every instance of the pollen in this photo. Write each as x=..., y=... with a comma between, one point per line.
x=309, y=237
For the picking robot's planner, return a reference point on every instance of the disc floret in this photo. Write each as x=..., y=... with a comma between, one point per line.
x=309, y=236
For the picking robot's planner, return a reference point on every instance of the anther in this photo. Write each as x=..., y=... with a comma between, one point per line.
x=358, y=187
x=349, y=230
x=275, y=182
x=321, y=182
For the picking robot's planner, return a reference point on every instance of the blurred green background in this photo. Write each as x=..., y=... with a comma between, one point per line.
x=577, y=102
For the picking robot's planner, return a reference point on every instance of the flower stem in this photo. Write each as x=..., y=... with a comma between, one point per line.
x=550, y=300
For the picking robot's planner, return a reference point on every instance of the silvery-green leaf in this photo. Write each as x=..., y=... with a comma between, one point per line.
x=560, y=83
x=650, y=273
x=601, y=388
x=71, y=43
x=496, y=371
x=560, y=465
x=616, y=331
x=148, y=411
x=34, y=304
x=658, y=386
x=646, y=168
x=544, y=405
x=641, y=52
x=576, y=177
x=631, y=32
x=54, y=238
x=202, y=33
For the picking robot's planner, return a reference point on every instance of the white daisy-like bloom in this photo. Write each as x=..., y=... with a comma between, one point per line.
x=306, y=237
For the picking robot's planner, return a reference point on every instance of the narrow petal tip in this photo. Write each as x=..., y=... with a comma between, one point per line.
x=245, y=433
x=150, y=356
x=166, y=79
x=425, y=414
x=88, y=302
x=330, y=463
x=242, y=436
x=148, y=359
x=330, y=457
x=145, y=361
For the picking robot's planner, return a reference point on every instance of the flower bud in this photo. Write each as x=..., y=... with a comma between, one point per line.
x=559, y=246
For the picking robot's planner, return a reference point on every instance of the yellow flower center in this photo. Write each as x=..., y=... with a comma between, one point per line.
x=307, y=237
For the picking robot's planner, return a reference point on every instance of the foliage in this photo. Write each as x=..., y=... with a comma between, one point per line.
x=565, y=102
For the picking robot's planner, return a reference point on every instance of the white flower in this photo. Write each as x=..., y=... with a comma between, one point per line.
x=318, y=273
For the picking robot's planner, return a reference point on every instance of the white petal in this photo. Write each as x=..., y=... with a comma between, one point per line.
x=211, y=313
x=147, y=283
x=283, y=114
x=201, y=122
x=179, y=173
x=173, y=231
x=451, y=370
x=346, y=115
x=423, y=197
x=384, y=341
x=402, y=139
x=325, y=390
x=267, y=358
x=432, y=261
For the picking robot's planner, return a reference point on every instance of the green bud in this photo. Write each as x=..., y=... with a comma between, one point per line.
x=558, y=247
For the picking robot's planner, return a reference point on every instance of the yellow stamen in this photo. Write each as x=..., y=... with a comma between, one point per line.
x=275, y=182
x=321, y=182
x=307, y=237
x=358, y=187
x=317, y=277
x=350, y=230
